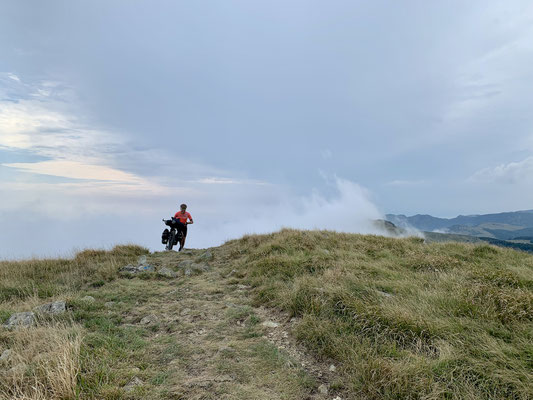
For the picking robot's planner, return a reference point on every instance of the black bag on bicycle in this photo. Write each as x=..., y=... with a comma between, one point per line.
x=164, y=236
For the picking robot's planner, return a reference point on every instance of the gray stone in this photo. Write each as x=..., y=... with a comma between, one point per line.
x=332, y=368
x=131, y=385
x=5, y=355
x=202, y=267
x=323, y=389
x=88, y=299
x=185, y=264
x=384, y=294
x=21, y=319
x=166, y=272
x=129, y=269
x=191, y=268
x=141, y=260
x=56, y=307
x=149, y=319
x=226, y=350
x=270, y=324
x=145, y=268
x=206, y=256
x=109, y=304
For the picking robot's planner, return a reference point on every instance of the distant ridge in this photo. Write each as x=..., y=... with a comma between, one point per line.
x=519, y=219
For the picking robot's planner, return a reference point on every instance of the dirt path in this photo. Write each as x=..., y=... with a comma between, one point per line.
x=214, y=345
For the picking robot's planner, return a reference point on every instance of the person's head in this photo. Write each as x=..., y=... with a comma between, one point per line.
x=183, y=207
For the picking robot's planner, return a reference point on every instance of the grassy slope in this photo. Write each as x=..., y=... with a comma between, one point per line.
x=75, y=353
x=206, y=341
x=404, y=318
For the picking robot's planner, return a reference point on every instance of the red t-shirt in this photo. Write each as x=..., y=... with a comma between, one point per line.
x=183, y=216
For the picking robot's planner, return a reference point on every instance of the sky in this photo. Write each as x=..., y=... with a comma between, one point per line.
x=257, y=114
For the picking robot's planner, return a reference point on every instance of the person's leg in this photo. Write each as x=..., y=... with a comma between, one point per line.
x=184, y=232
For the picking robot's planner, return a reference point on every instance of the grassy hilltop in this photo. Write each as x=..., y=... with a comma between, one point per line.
x=399, y=318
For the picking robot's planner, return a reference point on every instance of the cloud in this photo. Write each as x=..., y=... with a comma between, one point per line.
x=76, y=170
x=42, y=119
x=511, y=173
x=13, y=77
x=220, y=212
x=348, y=208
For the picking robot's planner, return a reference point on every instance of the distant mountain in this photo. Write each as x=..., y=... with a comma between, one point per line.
x=509, y=221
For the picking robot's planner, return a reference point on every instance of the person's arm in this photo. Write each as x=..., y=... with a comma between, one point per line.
x=191, y=221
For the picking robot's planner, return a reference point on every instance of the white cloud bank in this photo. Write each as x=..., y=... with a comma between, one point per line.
x=96, y=200
x=64, y=216
x=350, y=209
x=511, y=173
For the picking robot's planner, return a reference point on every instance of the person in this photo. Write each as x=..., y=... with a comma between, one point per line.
x=183, y=218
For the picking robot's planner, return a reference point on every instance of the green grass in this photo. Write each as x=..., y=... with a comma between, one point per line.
x=47, y=278
x=93, y=352
x=400, y=318
x=404, y=319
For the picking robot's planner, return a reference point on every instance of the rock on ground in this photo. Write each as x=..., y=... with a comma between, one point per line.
x=5, y=355
x=149, y=319
x=131, y=385
x=21, y=319
x=167, y=272
x=145, y=268
x=141, y=260
x=189, y=267
x=88, y=299
x=130, y=269
x=323, y=389
x=270, y=324
x=56, y=307
x=185, y=264
x=206, y=256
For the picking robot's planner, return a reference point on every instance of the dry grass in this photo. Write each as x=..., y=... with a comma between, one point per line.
x=43, y=364
x=45, y=360
x=52, y=278
x=405, y=319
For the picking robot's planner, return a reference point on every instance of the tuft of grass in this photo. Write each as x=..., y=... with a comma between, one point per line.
x=43, y=363
x=46, y=278
x=404, y=319
x=60, y=358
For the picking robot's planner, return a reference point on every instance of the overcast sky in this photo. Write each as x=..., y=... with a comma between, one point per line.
x=258, y=115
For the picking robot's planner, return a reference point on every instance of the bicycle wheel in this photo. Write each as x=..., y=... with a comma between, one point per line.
x=170, y=243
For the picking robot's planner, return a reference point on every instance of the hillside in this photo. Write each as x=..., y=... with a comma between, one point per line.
x=430, y=223
x=289, y=315
x=503, y=226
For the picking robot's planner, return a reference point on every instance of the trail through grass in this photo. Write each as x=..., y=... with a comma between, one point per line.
x=397, y=318
x=403, y=318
